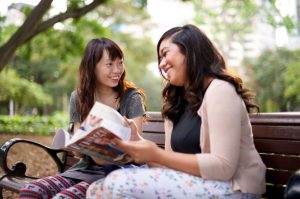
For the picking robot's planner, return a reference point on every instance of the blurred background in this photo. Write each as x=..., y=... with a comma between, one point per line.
x=41, y=44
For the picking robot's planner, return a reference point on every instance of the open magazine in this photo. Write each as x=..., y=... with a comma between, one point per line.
x=94, y=137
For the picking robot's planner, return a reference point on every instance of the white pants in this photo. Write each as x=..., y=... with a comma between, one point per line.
x=148, y=183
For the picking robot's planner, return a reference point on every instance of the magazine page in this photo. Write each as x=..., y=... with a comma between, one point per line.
x=103, y=111
x=60, y=139
x=118, y=130
x=94, y=137
x=98, y=143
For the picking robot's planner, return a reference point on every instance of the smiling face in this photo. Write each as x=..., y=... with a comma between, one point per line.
x=173, y=63
x=108, y=72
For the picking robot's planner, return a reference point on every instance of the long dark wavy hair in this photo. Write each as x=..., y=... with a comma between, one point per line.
x=87, y=77
x=202, y=60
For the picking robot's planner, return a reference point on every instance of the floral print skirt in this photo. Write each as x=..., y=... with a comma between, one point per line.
x=161, y=183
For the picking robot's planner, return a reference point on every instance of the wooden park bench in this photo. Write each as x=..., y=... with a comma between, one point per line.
x=276, y=137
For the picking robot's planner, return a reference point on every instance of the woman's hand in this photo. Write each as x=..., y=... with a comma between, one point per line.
x=134, y=132
x=142, y=151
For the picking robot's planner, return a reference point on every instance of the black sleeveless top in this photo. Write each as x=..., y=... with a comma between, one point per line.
x=185, y=137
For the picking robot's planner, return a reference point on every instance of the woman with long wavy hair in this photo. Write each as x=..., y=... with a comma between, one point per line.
x=101, y=78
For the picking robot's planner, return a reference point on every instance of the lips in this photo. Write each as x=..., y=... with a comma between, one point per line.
x=168, y=71
x=115, y=77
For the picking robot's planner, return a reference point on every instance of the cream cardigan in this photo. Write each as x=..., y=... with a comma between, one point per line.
x=226, y=140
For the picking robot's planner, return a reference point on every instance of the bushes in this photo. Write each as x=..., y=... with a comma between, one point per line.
x=42, y=125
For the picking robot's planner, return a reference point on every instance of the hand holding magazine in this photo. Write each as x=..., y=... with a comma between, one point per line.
x=95, y=135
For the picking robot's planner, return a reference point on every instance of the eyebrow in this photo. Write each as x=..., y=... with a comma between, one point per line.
x=163, y=48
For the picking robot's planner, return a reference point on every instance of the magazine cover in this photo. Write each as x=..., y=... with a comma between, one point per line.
x=95, y=135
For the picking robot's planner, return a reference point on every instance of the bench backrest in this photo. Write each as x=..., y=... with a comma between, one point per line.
x=276, y=137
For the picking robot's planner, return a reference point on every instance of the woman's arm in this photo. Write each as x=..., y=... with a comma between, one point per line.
x=139, y=124
x=136, y=126
x=222, y=123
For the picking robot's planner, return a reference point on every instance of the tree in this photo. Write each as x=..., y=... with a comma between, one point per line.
x=229, y=21
x=138, y=54
x=292, y=83
x=275, y=78
x=24, y=93
x=51, y=58
x=34, y=24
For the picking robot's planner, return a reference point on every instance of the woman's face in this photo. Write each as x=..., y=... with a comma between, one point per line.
x=108, y=72
x=172, y=63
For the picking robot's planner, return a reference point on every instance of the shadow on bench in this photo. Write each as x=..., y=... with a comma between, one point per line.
x=276, y=137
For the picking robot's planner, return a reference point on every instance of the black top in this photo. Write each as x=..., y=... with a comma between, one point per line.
x=185, y=136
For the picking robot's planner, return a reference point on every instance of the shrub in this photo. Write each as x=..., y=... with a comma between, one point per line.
x=43, y=125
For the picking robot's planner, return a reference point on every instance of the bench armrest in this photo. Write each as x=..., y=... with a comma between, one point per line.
x=19, y=168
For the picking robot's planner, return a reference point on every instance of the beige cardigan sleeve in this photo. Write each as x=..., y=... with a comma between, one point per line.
x=220, y=132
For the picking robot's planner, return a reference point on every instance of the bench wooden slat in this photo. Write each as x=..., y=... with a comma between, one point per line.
x=14, y=183
x=154, y=116
x=277, y=146
x=70, y=162
x=276, y=132
x=278, y=177
x=279, y=118
x=155, y=137
x=282, y=162
x=153, y=127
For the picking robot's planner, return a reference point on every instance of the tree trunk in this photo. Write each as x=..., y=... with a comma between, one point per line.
x=33, y=25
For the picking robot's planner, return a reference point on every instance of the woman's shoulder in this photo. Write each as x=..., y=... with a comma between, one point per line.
x=219, y=89
x=132, y=104
x=73, y=95
x=131, y=93
x=218, y=85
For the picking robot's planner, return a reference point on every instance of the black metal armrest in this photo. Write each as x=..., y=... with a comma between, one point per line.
x=19, y=168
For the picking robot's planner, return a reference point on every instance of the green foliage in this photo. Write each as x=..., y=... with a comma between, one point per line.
x=117, y=13
x=24, y=93
x=138, y=54
x=6, y=32
x=153, y=87
x=43, y=125
x=229, y=21
x=276, y=79
x=273, y=16
x=51, y=59
x=292, y=83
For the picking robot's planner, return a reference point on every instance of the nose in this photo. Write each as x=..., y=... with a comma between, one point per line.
x=162, y=63
x=116, y=68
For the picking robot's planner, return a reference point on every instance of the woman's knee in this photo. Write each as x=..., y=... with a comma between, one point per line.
x=108, y=186
x=94, y=189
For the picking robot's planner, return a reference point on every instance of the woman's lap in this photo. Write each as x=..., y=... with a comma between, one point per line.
x=160, y=183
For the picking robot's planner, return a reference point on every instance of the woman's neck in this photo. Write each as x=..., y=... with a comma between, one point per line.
x=107, y=96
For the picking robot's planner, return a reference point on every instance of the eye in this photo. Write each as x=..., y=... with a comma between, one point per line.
x=108, y=64
x=164, y=53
